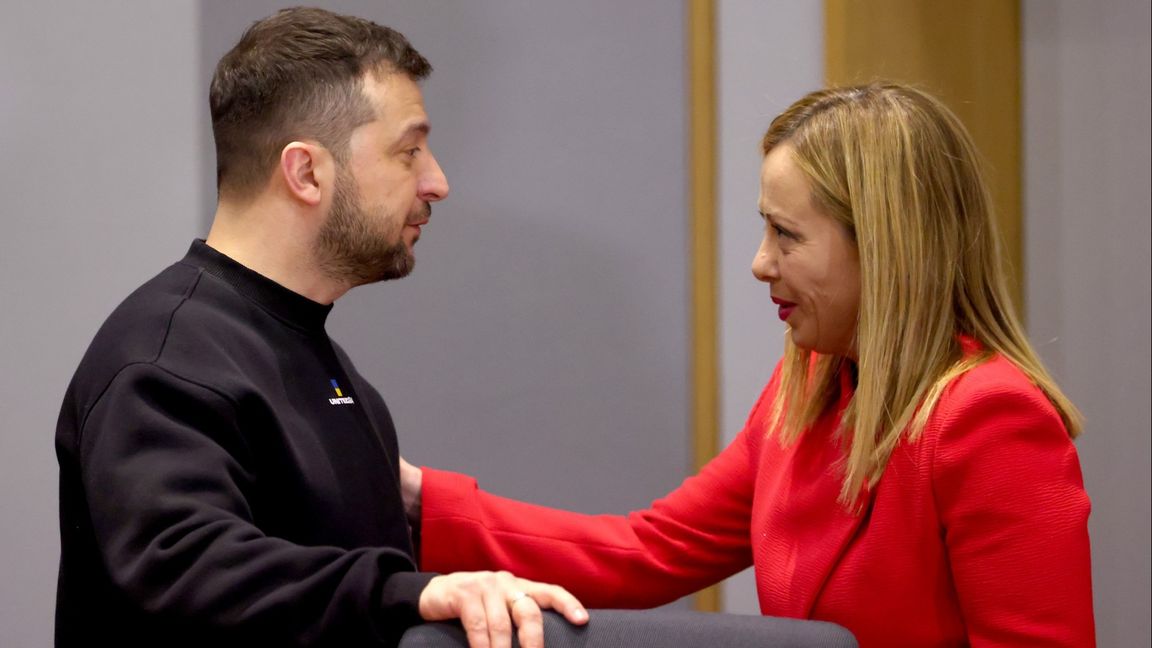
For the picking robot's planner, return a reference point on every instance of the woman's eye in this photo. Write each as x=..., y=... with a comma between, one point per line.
x=780, y=231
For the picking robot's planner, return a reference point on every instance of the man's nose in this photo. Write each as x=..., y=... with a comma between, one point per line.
x=433, y=183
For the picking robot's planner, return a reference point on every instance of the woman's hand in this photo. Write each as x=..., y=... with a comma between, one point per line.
x=411, y=483
x=491, y=604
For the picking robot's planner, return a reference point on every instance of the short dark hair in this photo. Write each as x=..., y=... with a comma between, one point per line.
x=298, y=74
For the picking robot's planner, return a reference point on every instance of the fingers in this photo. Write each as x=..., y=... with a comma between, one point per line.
x=561, y=600
x=489, y=604
x=526, y=607
x=485, y=601
x=498, y=620
x=530, y=623
x=474, y=619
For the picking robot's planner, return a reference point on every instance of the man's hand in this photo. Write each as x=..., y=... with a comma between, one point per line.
x=411, y=481
x=490, y=604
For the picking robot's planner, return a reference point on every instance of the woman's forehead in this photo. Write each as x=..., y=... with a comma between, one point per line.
x=783, y=185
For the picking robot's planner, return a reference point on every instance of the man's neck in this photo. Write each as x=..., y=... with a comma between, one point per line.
x=273, y=241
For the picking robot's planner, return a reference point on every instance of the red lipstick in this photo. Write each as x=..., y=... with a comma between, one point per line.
x=786, y=307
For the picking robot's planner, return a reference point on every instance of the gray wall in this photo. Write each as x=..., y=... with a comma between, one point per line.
x=770, y=53
x=542, y=343
x=100, y=157
x=1087, y=236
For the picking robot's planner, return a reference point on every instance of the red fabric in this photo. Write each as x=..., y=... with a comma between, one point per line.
x=975, y=536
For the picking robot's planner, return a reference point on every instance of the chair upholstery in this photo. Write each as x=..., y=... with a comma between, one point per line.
x=658, y=629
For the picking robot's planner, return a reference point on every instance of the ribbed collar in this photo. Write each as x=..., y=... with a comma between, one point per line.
x=289, y=306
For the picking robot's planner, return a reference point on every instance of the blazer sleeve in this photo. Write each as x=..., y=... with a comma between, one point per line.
x=160, y=459
x=692, y=538
x=1014, y=511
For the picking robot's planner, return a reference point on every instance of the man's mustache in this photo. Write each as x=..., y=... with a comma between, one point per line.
x=420, y=216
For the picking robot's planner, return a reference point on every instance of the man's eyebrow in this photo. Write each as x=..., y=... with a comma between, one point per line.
x=417, y=128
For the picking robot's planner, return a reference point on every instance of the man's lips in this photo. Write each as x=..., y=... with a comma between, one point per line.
x=418, y=223
x=420, y=218
x=786, y=307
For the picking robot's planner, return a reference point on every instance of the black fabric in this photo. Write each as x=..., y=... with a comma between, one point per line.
x=216, y=488
x=658, y=629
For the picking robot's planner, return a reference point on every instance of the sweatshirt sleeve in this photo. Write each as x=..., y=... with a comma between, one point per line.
x=1014, y=511
x=692, y=538
x=167, y=492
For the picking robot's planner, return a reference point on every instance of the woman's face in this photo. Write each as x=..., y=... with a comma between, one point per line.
x=809, y=259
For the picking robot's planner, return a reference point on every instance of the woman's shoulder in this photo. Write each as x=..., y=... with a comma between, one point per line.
x=993, y=380
x=993, y=402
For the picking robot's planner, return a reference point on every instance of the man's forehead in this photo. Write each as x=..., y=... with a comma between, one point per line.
x=392, y=85
x=397, y=102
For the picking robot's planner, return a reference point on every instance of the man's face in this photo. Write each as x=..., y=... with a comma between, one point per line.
x=383, y=195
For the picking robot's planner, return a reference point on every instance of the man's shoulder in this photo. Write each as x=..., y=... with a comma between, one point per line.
x=136, y=329
x=134, y=333
x=182, y=316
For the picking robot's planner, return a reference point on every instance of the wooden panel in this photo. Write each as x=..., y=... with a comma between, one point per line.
x=701, y=24
x=965, y=52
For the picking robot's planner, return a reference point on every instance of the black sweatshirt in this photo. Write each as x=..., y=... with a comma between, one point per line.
x=227, y=477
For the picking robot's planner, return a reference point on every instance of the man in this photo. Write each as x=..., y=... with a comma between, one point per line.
x=226, y=476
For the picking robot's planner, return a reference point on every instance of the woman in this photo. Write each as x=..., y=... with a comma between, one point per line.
x=908, y=472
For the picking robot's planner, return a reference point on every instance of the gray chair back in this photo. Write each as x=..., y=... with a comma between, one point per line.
x=658, y=629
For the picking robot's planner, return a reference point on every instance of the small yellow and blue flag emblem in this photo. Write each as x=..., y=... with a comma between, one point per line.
x=340, y=399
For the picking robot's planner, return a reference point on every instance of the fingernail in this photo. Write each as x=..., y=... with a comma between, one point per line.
x=580, y=615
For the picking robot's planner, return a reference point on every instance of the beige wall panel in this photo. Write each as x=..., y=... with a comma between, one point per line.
x=700, y=26
x=966, y=53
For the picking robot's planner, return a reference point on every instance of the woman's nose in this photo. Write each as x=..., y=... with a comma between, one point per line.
x=764, y=263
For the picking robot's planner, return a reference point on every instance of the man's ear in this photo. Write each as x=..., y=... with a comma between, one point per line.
x=307, y=170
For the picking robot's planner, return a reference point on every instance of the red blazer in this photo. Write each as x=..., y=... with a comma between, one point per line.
x=976, y=535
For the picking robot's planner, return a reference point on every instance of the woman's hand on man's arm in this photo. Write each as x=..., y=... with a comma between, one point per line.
x=411, y=482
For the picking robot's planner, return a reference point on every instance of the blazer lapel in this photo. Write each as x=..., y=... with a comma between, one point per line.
x=803, y=528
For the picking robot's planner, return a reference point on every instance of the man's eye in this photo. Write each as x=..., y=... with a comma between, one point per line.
x=413, y=151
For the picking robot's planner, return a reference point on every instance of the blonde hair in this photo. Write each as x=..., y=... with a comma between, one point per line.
x=896, y=168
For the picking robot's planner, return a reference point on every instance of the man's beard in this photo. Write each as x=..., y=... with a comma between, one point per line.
x=362, y=247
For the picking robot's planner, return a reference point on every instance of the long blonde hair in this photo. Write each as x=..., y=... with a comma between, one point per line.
x=896, y=168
